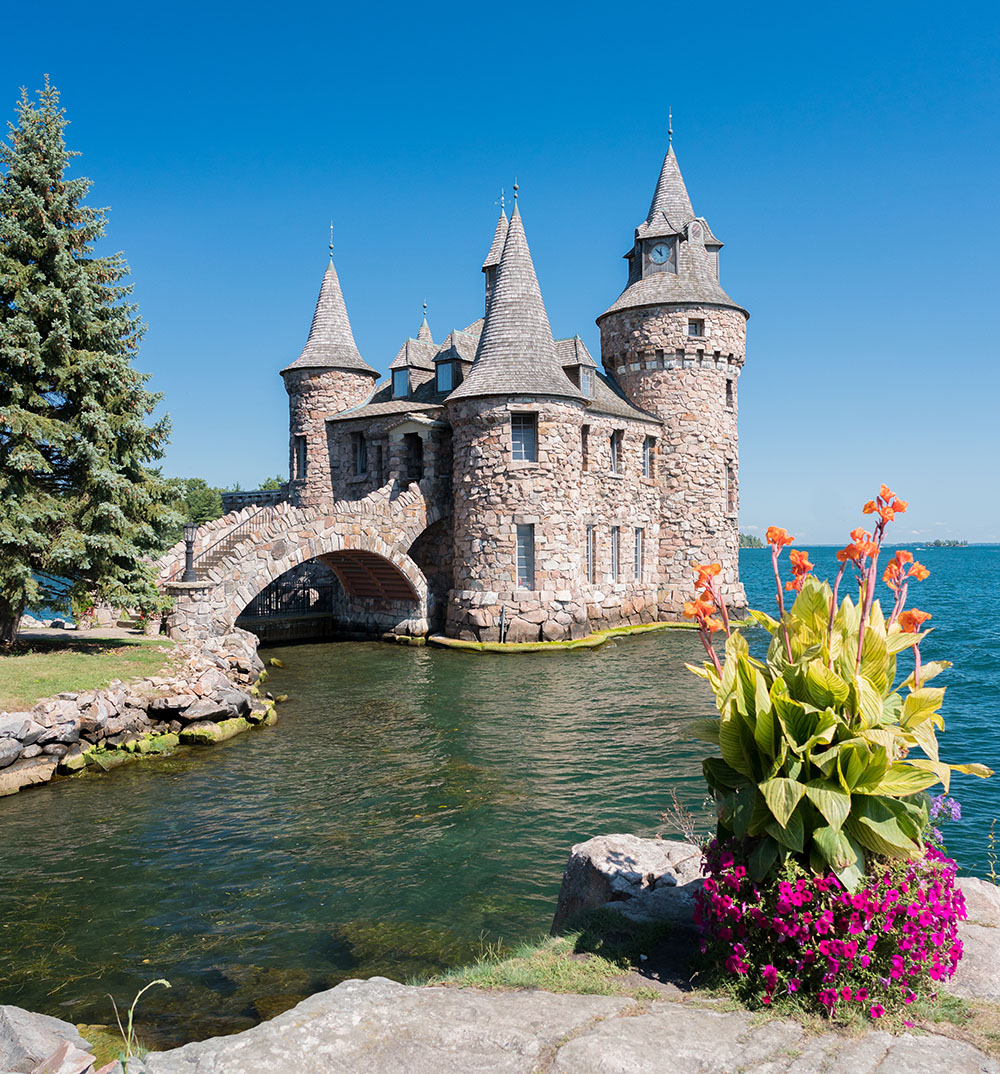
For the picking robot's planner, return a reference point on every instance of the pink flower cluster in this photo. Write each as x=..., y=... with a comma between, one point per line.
x=877, y=947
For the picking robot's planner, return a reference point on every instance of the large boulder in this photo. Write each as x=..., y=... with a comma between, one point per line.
x=27, y=1040
x=10, y=750
x=645, y=879
x=25, y=772
x=978, y=974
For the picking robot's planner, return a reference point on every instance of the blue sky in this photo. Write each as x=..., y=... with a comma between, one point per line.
x=846, y=154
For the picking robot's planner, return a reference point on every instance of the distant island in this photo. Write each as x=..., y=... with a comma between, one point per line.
x=749, y=541
x=945, y=544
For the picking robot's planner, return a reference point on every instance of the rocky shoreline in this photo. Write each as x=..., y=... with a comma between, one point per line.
x=210, y=694
x=378, y=1024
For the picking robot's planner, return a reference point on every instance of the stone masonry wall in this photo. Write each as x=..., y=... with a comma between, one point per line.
x=313, y=395
x=493, y=494
x=691, y=383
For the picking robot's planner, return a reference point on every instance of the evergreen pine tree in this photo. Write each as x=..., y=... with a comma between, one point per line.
x=78, y=500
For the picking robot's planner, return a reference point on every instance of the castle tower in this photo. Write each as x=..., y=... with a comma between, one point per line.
x=675, y=342
x=516, y=421
x=328, y=376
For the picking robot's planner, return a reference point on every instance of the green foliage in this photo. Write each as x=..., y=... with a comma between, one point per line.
x=815, y=751
x=747, y=540
x=78, y=499
x=273, y=484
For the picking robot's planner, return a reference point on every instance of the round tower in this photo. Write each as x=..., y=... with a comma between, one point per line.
x=676, y=342
x=328, y=376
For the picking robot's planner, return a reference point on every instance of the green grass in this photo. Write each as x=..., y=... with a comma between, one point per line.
x=593, y=957
x=48, y=666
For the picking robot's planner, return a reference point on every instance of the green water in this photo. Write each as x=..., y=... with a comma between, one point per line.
x=411, y=806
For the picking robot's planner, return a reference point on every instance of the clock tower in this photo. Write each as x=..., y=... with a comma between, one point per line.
x=675, y=342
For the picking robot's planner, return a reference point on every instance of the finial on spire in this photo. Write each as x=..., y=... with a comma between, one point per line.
x=502, y=203
x=670, y=125
x=331, y=240
x=425, y=311
x=515, y=188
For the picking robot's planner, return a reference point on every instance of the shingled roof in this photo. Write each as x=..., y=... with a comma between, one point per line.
x=516, y=353
x=696, y=280
x=499, y=237
x=670, y=208
x=331, y=342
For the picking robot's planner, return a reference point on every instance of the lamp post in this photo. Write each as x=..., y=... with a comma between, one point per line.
x=190, y=529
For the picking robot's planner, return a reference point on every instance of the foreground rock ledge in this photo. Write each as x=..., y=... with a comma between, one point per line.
x=378, y=1025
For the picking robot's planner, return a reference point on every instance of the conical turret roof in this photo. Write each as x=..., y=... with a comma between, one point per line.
x=670, y=208
x=331, y=341
x=424, y=335
x=496, y=247
x=516, y=354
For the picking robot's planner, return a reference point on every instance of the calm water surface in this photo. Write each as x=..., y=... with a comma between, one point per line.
x=411, y=806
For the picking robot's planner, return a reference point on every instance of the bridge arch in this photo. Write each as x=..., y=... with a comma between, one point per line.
x=365, y=545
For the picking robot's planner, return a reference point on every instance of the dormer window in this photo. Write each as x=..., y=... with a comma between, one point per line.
x=445, y=376
x=587, y=382
x=696, y=328
x=400, y=383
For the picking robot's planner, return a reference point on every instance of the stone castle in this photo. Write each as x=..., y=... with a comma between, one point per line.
x=570, y=496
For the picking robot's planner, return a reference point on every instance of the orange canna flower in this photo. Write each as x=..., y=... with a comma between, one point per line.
x=860, y=536
x=886, y=493
x=796, y=585
x=712, y=625
x=698, y=609
x=869, y=508
x=903, y=556
x=778, y=537
x=899, y=506
x=891, y=576
x=910, y=621
x=851, y=554
x=800, y=561
x=706, y=572
x=919, y=571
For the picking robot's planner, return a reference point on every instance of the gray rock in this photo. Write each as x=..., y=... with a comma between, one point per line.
x=27, y=1039
x=207, y=709
x=620, y=868
x=21, y=726
x=10, y=750
x=31, y=751
x=65, y=732
x=25, y=772
x=384, y=1027
x=978, y=974
x=982, y=900
x=674, y=1038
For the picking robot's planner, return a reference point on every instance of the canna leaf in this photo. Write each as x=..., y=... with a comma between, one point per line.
x=875, y=658
x=706, y=730
x=921, y=705
x=974, y=769
x=764, y=620
x=763, y=858
x=835, y=847
x=903, y=779
x=826, y=688
x=792, y=834
x=898, y=640
x=782, y=796
x=883, y=826
x=720, y=777
x=830, y=800
x=731, y=745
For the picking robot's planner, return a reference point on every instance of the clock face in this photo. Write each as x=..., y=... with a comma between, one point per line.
x=660, y=253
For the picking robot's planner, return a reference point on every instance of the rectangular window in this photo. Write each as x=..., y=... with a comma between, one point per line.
x=400, y=383
x=379, y=465
x=359, y=449
x=585, y=447
x=590, y=554
x=445, y=376
x=696, y=328
x=587, y=382
x=524, y=437
x=615, y=548
x=730, y=487
x=729, y=393
x=526, y=557
x=616, y=452
x=638, y=553
x=648, y=451
x=300, y=458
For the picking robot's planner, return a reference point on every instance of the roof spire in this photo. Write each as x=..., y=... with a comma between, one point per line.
x=331, y=342
x=516, y=352
x=425, y=332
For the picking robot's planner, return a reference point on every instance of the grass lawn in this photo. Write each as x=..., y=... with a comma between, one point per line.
x=44, y=667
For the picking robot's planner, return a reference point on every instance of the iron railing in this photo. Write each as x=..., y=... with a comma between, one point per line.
x=215, y=553
x=291, y=598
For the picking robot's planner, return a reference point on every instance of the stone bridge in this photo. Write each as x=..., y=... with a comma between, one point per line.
x=365, y=542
